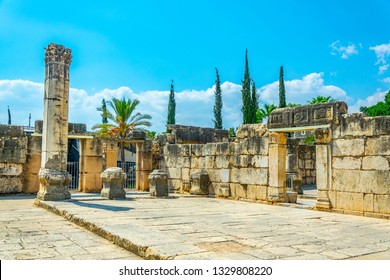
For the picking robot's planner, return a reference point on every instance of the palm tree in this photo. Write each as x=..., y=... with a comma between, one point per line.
x=124, y=119
x=265, y=112
x=320, y=99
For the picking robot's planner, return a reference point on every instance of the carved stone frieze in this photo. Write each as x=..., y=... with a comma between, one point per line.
x=308, y=115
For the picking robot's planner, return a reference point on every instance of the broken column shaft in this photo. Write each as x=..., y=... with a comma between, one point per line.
x=53, y=177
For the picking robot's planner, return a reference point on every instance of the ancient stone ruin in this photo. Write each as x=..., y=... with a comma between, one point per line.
x=349, y=163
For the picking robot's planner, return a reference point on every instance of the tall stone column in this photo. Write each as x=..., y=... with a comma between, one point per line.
x=53, y=177
x=277, y=167
x=292, y=165
x=323, y=168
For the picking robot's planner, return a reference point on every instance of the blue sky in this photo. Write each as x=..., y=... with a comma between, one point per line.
x=135, y=48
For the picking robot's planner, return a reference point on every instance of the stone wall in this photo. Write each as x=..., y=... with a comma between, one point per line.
x=307, y=164
x=241, y=166
x=13, y=150
x=361, y=165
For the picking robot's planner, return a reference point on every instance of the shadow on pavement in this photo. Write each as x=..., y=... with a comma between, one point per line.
x=102, y=207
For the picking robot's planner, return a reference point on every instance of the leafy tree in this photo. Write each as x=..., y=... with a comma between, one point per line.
x=264, y=112
x=232, y=132
x=171, y=106
x=249, y=99
x=293, y=105
x=320, y=99
x=151, y=135
x=218, y=103
x=9, y=116
x=282, y=90
x=124, y=119
x=379, y=109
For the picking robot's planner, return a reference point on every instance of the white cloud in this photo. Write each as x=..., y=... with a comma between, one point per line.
x=386, y=80
x=301, y=91
x=193, y=107
x=382, y=53
x=344, y=51
x=369, y=101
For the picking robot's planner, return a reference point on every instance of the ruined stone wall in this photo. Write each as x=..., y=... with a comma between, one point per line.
x=307, y=164
x=13, y=149
x=240, y=166
x=361, y=165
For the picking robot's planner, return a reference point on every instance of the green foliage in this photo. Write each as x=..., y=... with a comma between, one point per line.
x=218, y=102
x=309, y=140
x=293, y=105
x=249, y=98
x=124, y=120
x=9, y=116
x=282, y=90
x=264, y=112
x=379, y=109
x=320, y=99
x=232, y=132
x=103, y=109
x=171, y=106
x=150, y=135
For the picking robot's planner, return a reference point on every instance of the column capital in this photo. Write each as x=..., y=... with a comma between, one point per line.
x=58, y=53
x=323, y=135
x=277, y=138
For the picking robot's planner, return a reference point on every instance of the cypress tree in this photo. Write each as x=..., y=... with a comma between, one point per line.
x=104, y=111
x=171, y=106
x=246, y=93
x=282, y=91
x=9, y=116
x=255, y=103
x=218, y=103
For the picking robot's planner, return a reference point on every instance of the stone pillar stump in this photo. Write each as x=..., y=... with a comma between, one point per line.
x=113, y=179
x=54, y=184
x=158, y=183
x=199, y=183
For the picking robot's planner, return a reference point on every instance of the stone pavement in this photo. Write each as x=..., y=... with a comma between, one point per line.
x=191, y=228
x=30, y=232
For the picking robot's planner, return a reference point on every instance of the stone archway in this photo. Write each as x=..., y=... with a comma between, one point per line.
x=322, y=118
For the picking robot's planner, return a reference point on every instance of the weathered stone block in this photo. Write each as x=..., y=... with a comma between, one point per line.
x=238, y=191
x=291, y=197
x=249, y=176
x=158, y=183
x=368, y=202
x=10, y=184
x=375, y=163
x=382, y=204
x=209, y=162
x=222, y=161
x=54, y=184
x=378, y=146
x=185, y=174
x=347, y=163
x=257, y=192
x=349, y=201
x=222, y=190
x=348, y=147
x=113, y=181
x=260, y=161
x=174, y=173
x=210, y=149
x=199, y=183
x=309, y=164
x=225, y=175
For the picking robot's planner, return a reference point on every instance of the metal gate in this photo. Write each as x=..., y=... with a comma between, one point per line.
x=130, y=171
x=73, y=169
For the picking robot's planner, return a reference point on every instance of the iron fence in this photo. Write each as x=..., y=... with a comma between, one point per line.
x=130, y=171
x=73, y=169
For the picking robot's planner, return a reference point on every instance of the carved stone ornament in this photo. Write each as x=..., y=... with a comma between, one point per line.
x=58, y=53
x=323, y=136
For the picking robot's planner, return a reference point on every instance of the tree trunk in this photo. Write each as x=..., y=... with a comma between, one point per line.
x=123, y=159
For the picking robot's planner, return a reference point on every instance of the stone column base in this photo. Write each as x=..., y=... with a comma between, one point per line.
x=54, y=184
x=323, y=204
x=276, y=194
x=113, y=180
